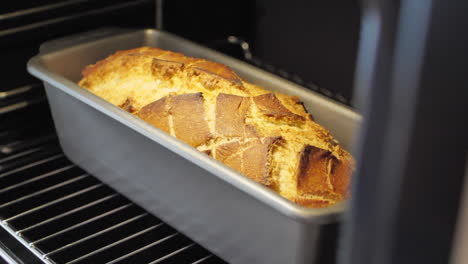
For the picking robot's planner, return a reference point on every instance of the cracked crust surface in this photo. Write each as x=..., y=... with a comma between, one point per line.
x=269, y=137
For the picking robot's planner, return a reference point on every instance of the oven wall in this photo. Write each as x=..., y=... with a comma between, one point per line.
x=317, y=40
x=27, y=24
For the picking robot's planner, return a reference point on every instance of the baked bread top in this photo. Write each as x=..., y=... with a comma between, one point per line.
x=269, y=137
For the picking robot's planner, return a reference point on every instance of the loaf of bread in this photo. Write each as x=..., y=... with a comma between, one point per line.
x=269, y=137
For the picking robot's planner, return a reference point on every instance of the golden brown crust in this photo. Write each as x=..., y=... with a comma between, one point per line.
x=128, y=106
x=219, y=69
x=312, y=177
x=320, y=174
x=93, y=68
x=182, y=116
x=269, y=137
x=340, y=175
x=257, y=160
x=165, y=69
x=189, y=120
x=157, y=114
x=230, y=116
x=250, y=157
x=207, y=152
x=269, y=105
x=230, y=153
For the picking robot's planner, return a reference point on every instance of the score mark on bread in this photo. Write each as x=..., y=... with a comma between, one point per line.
x=182, y=116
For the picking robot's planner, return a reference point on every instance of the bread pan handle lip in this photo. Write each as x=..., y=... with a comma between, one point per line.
x=299, y=213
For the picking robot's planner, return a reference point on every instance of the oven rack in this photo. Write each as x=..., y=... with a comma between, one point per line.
x=61, y=213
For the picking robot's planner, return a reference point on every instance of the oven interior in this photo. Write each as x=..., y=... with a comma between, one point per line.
x=55, y=211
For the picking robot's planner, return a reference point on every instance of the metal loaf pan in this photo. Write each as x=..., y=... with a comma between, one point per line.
x=231, y=215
